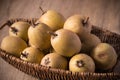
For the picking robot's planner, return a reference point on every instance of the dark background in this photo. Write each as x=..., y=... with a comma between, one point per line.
x=102, y=13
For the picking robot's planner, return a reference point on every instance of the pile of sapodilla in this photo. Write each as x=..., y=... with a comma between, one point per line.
x=73, y=47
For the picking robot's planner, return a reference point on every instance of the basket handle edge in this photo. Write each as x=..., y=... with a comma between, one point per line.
x=8, y=22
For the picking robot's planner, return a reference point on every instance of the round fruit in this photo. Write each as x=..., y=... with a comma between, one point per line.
x=54, y=60
x=81, y=63
x=13, y=45
x=78, y=24
x=53, y=19
x=39, y=36
x=104, y=56
x=65, y=42
x=89, y=42
x=32, y=54
x=19, y=29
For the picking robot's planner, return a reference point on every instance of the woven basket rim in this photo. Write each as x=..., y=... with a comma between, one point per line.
x=4, y=53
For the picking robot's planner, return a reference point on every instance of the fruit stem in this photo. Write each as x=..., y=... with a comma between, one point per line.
x=80, y=63
x=86, y=20
x=52, y=33
x=42, y=10
x=34, y=24
x=14, y=30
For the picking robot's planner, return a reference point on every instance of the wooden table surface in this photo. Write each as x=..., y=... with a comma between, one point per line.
x=102, y=13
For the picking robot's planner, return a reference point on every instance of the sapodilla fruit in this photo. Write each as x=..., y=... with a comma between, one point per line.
x=81, y=63
x=78, y=24
x=89, y=42
x=53, y=19
x=65, y=42
x=13, y=45
x=54, y=60
x=39, y=37
x=32, y=54
x=104, y=56
x=19, y=29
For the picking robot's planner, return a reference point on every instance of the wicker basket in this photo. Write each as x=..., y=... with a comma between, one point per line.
x=48, y=73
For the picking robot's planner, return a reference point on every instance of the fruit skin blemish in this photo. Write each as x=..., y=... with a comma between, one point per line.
x=104, y=54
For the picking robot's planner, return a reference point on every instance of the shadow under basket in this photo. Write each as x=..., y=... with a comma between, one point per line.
x=48, y=73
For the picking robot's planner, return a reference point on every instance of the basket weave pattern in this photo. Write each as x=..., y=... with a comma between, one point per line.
x=43, y=72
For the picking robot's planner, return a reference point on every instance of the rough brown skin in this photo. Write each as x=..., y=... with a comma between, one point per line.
x=104, y=56
x=81, y=63
x=10, y=44
x=54, y=60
